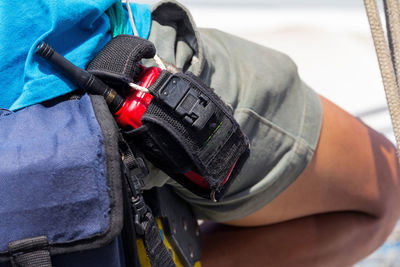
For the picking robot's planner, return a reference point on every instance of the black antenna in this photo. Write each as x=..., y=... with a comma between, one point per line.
x=81, y=77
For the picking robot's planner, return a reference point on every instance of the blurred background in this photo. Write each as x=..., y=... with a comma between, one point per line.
x=331, y=43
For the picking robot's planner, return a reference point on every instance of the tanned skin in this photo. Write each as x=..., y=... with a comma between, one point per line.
x=341, y=208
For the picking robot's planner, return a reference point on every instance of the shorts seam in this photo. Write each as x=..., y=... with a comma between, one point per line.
x=265, y=121
x=303, y=118
x=269, y=123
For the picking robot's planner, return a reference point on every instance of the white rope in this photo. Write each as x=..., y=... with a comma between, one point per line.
x=139, y=88
x=128, y=6
x=392, y=13
x=156, y=58
x=386, y=61
x=159, y=62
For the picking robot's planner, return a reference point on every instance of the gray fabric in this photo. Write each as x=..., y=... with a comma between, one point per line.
x=30, y=252
x=278, y=112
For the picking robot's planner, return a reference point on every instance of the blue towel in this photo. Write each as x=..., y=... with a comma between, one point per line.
x=77, y=29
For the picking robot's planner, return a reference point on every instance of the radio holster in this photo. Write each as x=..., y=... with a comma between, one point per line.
x=187, y=130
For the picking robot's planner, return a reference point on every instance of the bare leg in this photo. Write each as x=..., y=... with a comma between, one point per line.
x=339, y=210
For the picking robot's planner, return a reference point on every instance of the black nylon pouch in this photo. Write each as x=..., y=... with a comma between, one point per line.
x=186, y=127
x=214, y=148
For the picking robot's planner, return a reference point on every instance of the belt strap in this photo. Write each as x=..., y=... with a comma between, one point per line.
x=30, y=252
x=144, y=221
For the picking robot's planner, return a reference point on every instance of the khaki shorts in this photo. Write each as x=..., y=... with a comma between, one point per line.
x=279, y=113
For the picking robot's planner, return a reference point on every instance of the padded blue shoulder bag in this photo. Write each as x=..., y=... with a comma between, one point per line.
x=60, y=185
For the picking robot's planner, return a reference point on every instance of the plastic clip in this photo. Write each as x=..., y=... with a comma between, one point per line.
x=195, y=107
x=143, y=215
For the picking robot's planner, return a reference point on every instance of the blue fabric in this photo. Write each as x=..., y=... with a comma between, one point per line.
x=52, y=173
x=77, y=29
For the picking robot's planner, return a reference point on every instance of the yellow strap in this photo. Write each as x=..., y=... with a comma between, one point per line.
x=145, y=260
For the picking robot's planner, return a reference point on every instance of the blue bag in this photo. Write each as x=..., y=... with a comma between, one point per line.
x=61, y=180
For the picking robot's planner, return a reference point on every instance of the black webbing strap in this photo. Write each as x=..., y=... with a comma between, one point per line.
x=30, y=252
x=156, y=251
x=144, y=221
